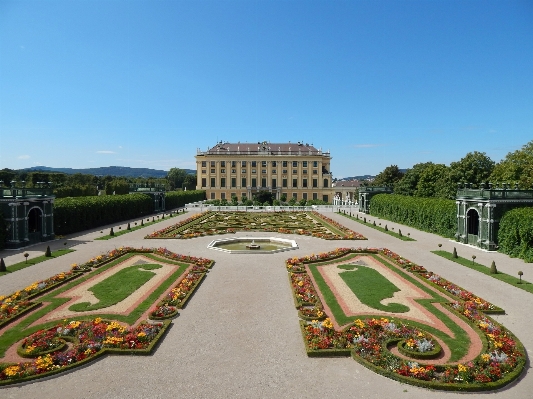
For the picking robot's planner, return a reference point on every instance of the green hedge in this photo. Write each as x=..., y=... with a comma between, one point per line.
x=2, y=231
x=434, y=215
x=177, y=199
x=515, y=235
x=82, y=213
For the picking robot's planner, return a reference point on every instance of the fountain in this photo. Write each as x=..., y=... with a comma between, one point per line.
x=253, y=245
x=260, y=245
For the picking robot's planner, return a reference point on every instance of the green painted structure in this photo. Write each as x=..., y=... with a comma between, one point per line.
x=479, y=211
x=155, y=191
x=28, y=214
x=366, y=193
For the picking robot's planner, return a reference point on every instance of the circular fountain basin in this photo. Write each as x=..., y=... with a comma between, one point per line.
x=247, y=245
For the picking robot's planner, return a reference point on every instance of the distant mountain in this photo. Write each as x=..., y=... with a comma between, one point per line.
x=119, y=171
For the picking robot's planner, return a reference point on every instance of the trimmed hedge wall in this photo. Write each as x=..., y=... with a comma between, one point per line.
x=515, y=235
x=82, y=213
x=2, y=231
x=434, y=215
x=177, y=199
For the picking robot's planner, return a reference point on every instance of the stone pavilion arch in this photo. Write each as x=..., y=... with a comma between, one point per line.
x=34, y=224
x=472, y=225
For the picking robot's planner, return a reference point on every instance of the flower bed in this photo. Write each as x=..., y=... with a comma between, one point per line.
x=71, y=343
x=18, y=303
x=180, y=294
x=90, y=339
x=370, y=340
x=303, y=223
x=164, y=311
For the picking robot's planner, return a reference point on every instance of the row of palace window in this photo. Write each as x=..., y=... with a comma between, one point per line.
x=284, y=182
x=264, y=171
x=325, y=197
x=264, y=164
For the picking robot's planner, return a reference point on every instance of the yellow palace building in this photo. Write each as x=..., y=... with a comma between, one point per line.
x=296, y=170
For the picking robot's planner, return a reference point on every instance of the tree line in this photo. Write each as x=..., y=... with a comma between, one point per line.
x=81, y=185
x=431, y=180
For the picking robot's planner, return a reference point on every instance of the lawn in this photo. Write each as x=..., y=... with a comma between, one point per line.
x=33, y=261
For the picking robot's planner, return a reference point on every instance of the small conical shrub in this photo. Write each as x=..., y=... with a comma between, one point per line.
x=454, y=255
x=2, y=265
x=350, y=214
x=163, y=216
x=111, y=232
x=364, y=219
x=493, y=269
x=142, y=222
x=386, y=228
x=129, y=228
x=400, y=232
x=48, y=253
x=374, y=222
x=153, y=219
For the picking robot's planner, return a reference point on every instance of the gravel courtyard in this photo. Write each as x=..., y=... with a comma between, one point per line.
x=239, y=335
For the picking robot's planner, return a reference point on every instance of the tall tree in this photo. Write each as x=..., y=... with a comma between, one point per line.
x=430, y=177
x=388, y=177
x=476, y=167
x=516, y=167
x=176, y=177
x=408, y=183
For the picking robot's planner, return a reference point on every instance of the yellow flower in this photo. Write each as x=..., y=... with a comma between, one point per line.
x=462, y=368
x=359, y=323
x=327, y=323
x=44, y=362
x=485, y=357
x=12, y=371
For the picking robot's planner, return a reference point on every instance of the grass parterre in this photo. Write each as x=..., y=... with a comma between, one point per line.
x=304, y=223
x=402, y=348
x=56, y=338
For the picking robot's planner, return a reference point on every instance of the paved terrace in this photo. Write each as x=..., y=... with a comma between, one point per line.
x=239, y=336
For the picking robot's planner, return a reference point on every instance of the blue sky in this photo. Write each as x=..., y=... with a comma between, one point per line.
x=145, y=83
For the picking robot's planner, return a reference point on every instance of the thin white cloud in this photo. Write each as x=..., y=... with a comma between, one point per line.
x=367, y=145
x=105, y=152
x=23, y=157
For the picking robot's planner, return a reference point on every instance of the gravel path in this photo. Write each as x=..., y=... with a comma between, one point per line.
x=239, y=335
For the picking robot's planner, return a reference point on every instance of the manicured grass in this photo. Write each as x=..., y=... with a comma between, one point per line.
x=506, y=278
x=459, y=344
x=117, y=287
x=27, y=325
x=371, y=287
x=133, y=228
x=34, y=261
x=376, y=227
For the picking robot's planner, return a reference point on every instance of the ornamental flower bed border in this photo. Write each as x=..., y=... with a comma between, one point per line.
x=44, y=357
x=37, y=373
x=173, y=232
x=502, y=361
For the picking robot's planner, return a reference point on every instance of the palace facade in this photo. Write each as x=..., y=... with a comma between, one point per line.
x=285, y=169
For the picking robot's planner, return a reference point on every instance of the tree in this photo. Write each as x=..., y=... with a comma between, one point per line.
x=427, y=184
x=176, y=177
x=117, y=186
x=408, y=183
x=476, y=167
x=517, y=167
x=388, y=177
x=189, y=182
x=263, y=196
